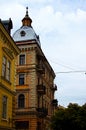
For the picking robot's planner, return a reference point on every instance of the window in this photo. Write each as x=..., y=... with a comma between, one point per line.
x=8, y=71
x=21, y=79
x=4, y=107
x=22, y=33
x=22, y=59
x=6, y=68
x=21, y=101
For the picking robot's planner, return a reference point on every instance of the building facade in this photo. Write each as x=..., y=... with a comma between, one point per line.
x=35, y=86
x=8, y=53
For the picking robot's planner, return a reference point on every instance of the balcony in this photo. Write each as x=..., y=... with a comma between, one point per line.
x=40, y=69
x=41, y=57
x=54, y=87
x=54, y=102
x=25, y=111
x=42, y=112
x=22, y=68
x=25, y=68
x=41, y=89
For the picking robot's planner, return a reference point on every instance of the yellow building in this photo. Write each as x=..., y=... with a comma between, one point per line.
x=8, y=53
x=35, y=86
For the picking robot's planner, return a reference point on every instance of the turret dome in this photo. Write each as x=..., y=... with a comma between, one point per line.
x=26, y=32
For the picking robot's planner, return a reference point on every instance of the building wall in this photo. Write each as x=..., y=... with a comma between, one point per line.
x=30, y=76
x=9, y=50
x=34, y=100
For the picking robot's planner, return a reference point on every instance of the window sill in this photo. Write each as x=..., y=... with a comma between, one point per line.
x=4, y=119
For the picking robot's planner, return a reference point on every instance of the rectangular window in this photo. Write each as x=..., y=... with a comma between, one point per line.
x=22, y=59
x=8, y=71
x=21, y=79
x=4, y=66
x=4, y=107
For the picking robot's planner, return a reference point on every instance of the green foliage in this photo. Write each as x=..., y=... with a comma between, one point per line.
x=72, y=117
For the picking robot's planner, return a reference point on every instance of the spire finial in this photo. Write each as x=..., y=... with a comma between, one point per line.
x=26, y=11
x=26, y=21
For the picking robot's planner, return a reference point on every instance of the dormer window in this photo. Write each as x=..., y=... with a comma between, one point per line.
x=22, y=33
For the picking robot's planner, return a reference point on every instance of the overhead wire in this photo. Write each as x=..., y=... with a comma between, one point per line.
x=68, y=67
x=78, y=71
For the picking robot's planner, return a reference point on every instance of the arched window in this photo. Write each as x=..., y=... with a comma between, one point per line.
x=21, y=101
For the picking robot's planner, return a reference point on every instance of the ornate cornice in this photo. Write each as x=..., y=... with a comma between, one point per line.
x=8, y=52
x=7, y=39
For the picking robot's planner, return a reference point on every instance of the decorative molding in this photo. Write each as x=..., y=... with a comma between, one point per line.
x=8, y=52
x=5, y=87
x=8, y=40
x=24, y=49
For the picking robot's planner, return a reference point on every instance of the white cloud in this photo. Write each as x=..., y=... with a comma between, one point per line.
x=41, y=1
x=63, y=37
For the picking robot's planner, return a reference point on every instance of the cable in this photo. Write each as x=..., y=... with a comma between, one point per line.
x=78, y=71
x=66, y=66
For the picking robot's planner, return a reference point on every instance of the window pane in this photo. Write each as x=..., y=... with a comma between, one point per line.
x=4, y=107
x=21, y=101
x=4, y=67
x=21, y=79
x=8, y=71
x=22, y=60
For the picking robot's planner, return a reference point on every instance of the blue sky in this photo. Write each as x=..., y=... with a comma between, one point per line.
x=61, y=25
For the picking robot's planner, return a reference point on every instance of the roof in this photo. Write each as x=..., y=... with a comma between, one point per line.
x=9, y=38
x=26, y=33
x=7, y=24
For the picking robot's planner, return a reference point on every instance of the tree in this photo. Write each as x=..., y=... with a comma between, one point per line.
x=72, y=117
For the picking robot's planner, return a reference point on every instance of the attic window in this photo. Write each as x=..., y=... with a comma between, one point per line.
x=22, y=33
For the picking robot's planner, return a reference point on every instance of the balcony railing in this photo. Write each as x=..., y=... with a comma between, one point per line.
x=39, y=112
x=25, y=67
x=42, y=112
x=54, y=87
x=41, y=89
x=25, y=111
x=40, y=69
x=54, y=102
